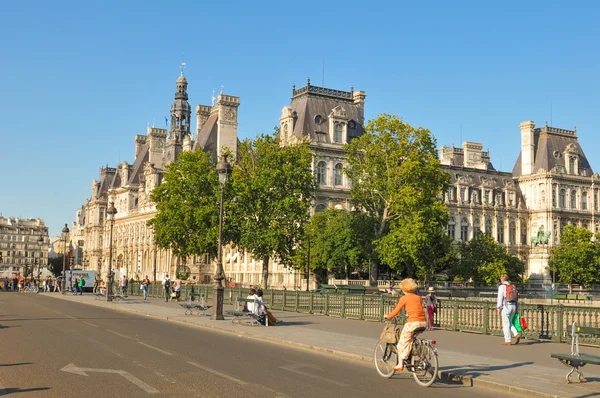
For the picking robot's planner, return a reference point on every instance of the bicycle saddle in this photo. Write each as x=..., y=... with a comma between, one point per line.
x=419, y=330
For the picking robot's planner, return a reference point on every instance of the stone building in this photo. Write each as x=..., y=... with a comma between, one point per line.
x=129, y=185
x=19, y=248
x=328, y=118
x=551, y=185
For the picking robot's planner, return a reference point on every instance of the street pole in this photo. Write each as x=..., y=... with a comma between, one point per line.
x=223, y=170
x=154, y=266
x=308, y=264
x=64, y=235
x=110, y=215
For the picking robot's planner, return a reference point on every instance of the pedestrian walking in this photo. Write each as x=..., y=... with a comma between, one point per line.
x=506, y=307
x=145, y=284
x=177, y=288
x=167, y=286
x=80, y=286
x=431, y=302
x=6, y=284
x=124, y=285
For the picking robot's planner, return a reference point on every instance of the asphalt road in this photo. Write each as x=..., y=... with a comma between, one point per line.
x=55, y=348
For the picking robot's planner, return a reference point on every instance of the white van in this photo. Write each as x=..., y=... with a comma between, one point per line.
x=88, y=277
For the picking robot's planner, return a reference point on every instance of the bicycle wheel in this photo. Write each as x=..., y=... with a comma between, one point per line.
x=424, y=362
x=386, y=357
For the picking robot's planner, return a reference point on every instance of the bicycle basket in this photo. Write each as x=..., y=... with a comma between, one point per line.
x=390, y=334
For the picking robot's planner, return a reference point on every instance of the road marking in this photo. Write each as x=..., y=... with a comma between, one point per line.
x=294, y=368
x=154, y=348
x=91, y=324
x=118, y=334
x=72, y=317
x=217, y=373
x=71, y=368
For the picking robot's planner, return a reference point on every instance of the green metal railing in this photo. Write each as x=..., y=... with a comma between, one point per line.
x=550, y=322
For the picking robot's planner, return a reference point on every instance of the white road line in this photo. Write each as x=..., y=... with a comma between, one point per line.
x=118, y=334
x=217, y=373
x=91, y=324
x=72, y=317
x=154, y=348
x=294, y=368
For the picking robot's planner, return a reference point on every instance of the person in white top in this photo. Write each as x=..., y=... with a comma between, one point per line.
x=507, y=310
x=250, y=305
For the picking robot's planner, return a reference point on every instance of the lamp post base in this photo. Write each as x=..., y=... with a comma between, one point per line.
x=217, y=314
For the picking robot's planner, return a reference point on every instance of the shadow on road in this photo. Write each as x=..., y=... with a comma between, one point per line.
x=294, y=323
x=16, y=364
x=6, y=327
x=9, y=391
x=481, y=370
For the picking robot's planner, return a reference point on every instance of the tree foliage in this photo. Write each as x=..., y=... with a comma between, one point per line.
x=397, y=179
x=484, y=260
x=576, y=258
x=187, y=202
x=340, y=243
x=275, y=187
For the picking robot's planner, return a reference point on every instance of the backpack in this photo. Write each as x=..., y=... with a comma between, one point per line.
x=82, y=282
x=512, y=294
x=167, y=284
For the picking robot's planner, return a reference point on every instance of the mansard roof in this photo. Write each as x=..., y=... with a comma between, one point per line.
x=550, y=146
x=137, y=169
x=207, y=136
x=311, y=101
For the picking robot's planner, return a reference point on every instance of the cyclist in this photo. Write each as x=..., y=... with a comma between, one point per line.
x=416, y=319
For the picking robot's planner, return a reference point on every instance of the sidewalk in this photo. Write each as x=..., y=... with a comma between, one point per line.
x=524, y=370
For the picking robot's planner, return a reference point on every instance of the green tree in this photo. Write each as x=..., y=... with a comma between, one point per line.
x=275, y=187
x=484, y=260
x=575, y=258
x=187, y=202
x=340, y=243
x=397, y=179
x=55, y=265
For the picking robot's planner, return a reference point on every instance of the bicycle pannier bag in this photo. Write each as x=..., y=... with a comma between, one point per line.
x=390, y=334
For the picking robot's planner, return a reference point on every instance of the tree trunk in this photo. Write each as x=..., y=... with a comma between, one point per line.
x=265, y=273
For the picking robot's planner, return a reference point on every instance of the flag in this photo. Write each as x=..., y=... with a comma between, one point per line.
x=166, y=121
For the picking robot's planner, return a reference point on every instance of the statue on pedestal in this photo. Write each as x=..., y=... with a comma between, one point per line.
x=542, y=237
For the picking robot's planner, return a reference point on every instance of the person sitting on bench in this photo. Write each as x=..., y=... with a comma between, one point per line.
x=272, y=320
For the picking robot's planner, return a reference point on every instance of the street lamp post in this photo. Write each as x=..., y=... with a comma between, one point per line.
x=308, y=263
x=110, y=216
x=224, y=170
x=40, y=243
x=63, y=237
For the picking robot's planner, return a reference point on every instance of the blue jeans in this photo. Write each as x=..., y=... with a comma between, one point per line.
x=508, y=312
x=145, y=290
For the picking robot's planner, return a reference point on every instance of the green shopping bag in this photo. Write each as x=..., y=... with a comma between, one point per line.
x=517, y=323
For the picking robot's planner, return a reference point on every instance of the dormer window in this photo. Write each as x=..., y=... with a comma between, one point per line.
x=318, y=119
x=337, y=133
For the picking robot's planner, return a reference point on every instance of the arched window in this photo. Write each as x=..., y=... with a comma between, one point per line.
x=573, y=199
x=572, y=165
x=584, y=200
x=321, y=176
x=500, y=231
x=451, y=227
x=562, y=199
x=476, y=226
x=319, y=208
x=337, y=133
x=488, y=227
x=512, y=233
x=464, y=230
x=337, y=174
x=553, y=197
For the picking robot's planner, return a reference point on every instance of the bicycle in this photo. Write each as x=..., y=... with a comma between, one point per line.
x=30, y=289
x=422, y=362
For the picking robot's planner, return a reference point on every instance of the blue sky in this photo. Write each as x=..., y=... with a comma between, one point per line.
x=79, y=79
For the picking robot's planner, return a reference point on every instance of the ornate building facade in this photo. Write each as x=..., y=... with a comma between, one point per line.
x=19, y=248
x=551, y=185
x=129, y=186
x=329, y=119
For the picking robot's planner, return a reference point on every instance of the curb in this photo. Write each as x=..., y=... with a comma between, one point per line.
x=446, y=376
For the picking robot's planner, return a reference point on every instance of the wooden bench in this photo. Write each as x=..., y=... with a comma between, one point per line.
x=199, y=305
x=488, y=294
x=577, y=360
x=239, y=314
x=573, y=297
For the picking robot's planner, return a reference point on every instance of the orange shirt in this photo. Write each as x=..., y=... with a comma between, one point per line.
x=414, y=308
